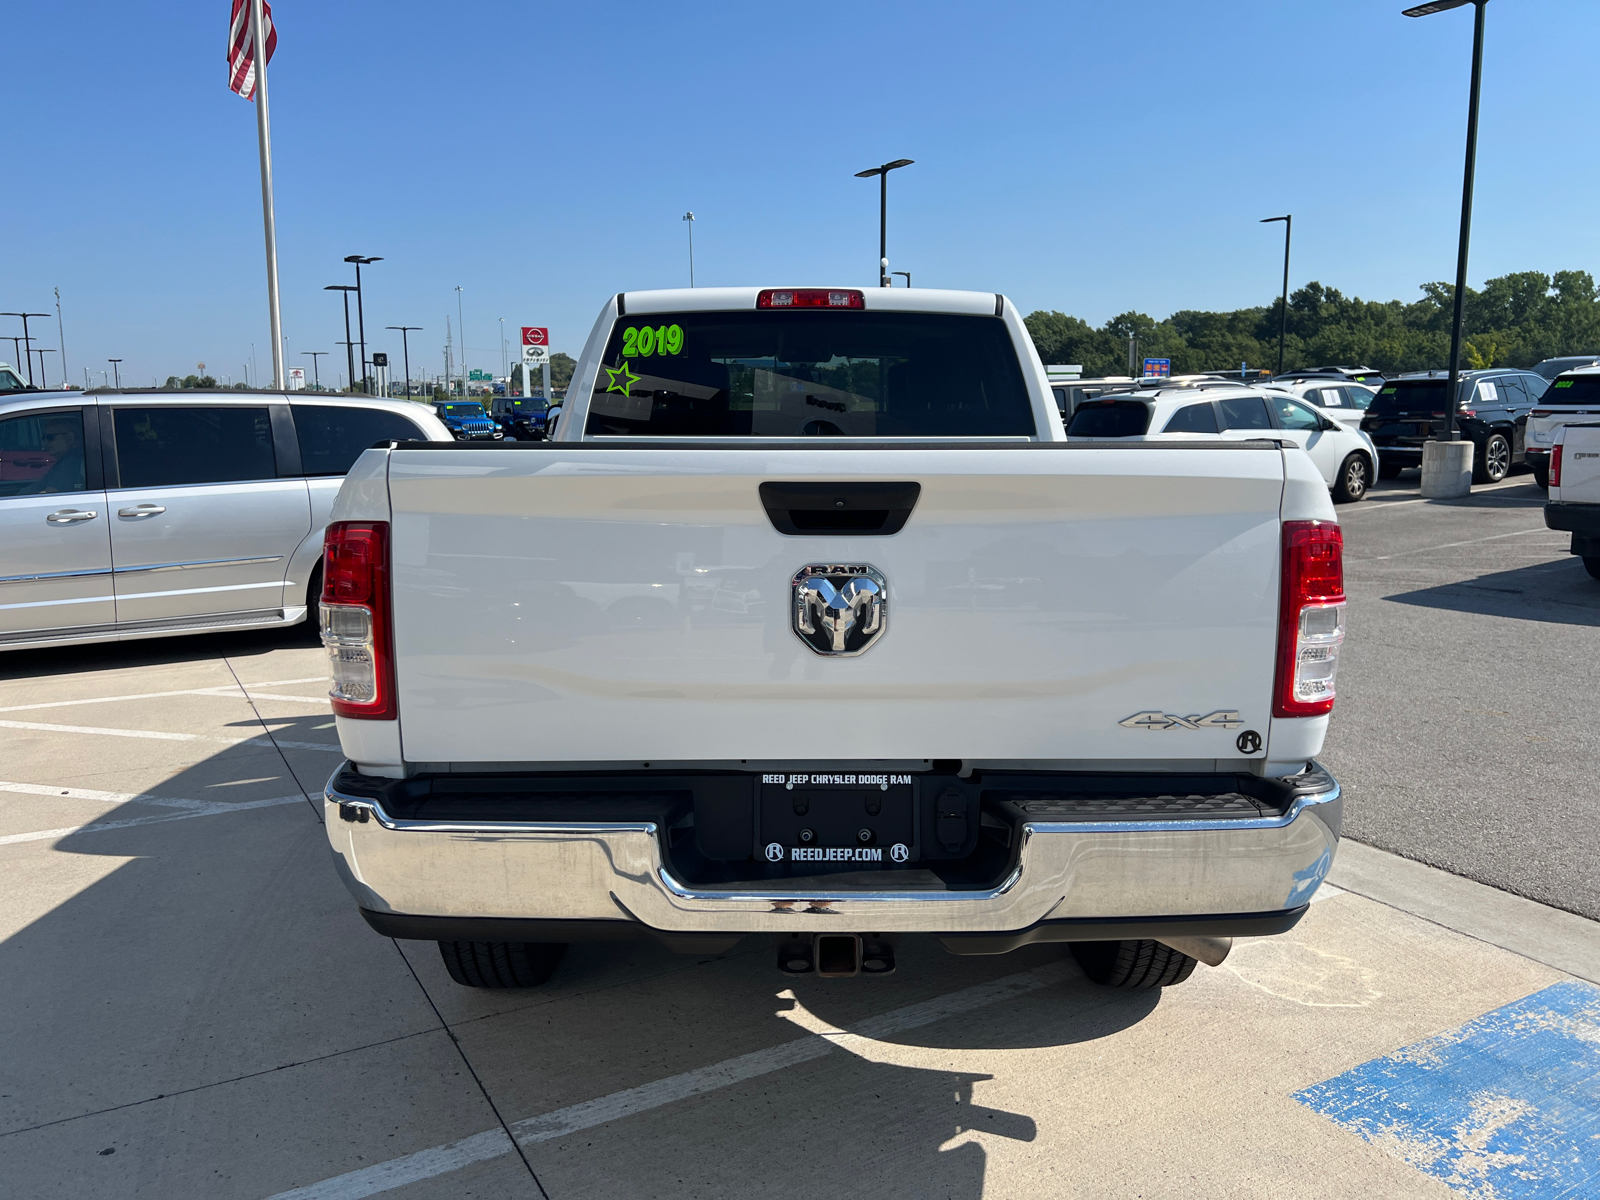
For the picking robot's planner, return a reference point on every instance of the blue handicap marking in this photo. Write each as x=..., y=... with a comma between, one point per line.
x=1506, y=1106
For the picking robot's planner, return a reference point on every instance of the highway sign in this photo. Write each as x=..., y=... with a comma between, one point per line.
x=477, y=376
x=534, y=335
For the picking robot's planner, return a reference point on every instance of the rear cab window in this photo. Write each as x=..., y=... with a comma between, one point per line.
x=1110, y=419
x=810, y=373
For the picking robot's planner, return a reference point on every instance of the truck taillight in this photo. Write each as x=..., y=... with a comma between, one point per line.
x=1555, y=465
x=809, y=298
x=1310, y=618
x=356, y=619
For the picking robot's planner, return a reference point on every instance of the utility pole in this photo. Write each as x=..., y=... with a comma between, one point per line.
x=405, y=350
x=1283, y=311
x=62, y=338
x=26, y=340
x=689, y=217
x=883, y=211
x=361, y=320
x=116, y=372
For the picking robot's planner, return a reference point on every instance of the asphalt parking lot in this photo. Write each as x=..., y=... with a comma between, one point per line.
x=194, y=1008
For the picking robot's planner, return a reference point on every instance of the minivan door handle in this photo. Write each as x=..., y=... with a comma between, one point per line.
x=142, y=510
x=67, y=516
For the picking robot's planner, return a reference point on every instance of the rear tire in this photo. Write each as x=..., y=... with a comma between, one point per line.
x=1491, y=461
x=314, y=604
x=1541, y=476
x=1138, y=963
x=501, y=964
x=1389, y=470
x=1355, y=476
x=1591, y=564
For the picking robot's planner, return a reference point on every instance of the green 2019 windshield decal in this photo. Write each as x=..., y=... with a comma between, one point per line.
x=648, y=340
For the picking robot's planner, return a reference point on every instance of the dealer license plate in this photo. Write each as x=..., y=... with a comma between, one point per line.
x=865, y=820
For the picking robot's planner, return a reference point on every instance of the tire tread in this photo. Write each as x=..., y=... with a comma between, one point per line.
x=1132, y=963
x=501, y=964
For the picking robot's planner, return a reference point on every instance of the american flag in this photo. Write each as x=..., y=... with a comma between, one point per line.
x=242, y=49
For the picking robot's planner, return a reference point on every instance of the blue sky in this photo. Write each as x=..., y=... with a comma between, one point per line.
x=1088, y=157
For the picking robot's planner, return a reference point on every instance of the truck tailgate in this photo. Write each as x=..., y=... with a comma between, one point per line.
x=597, y=603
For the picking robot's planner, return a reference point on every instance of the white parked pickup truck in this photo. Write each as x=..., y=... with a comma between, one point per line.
x=809, y=624
x=1574, y=502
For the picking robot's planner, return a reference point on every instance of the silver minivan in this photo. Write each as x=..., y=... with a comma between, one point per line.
x=140, y=514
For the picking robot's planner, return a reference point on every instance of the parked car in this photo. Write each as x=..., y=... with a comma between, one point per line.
x=1574, y=503
x=521, y=418
x=1492, y=410
x=1574, y=395
x=1084, y=689
x=10, y=381
x=1344, y=455
x=1551, y=367
x=1364, y=375
x=142, y=513
x=467, y=421
x=1069, y=393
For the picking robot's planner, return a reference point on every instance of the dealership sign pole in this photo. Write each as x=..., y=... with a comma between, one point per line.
x=535, y=352
x=251, y=41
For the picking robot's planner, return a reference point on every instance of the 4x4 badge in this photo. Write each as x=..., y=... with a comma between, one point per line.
x=1222, y=719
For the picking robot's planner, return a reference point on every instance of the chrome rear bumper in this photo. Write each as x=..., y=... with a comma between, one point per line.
x=1068, y=870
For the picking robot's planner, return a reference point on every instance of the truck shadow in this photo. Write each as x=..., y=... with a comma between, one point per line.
x=1560, y=592
x=156, y=652
x=219, y=948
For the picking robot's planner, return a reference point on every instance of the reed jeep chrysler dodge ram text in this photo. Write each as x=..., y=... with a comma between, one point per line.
x=810, y=624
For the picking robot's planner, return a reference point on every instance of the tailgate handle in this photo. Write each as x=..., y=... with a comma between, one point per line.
x=850, y=509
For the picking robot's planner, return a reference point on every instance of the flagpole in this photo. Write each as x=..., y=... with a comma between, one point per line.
x=264, y=137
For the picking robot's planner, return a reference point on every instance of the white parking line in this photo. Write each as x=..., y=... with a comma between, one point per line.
x=159, y=735
x=191, y=808
x=1385, y=505
x=227, y=689
x=1493, y=537
x=824, y=1039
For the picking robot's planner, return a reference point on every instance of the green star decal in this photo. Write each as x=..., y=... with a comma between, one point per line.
x=621, y=377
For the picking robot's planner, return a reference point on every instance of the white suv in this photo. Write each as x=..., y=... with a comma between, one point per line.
x=141, y=513
x=1343, y=454
x=1574, y=396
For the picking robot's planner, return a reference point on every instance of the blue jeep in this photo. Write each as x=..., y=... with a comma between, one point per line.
x=467, y=421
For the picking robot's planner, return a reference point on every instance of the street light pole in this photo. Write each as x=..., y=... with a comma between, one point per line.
x=907, y=274
x=361, y=319
x=44, y=376
x=115, y=372
x=405, y=350
x=348, y=353
x=26, y=340
x=316, y=376
x=461, y=328
x=1283, y=311
x=1451, y=432
x=883, y=211
x=689, y=217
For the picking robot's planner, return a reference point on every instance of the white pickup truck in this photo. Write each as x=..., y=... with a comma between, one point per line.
x=810, y=624
x=1574, y=501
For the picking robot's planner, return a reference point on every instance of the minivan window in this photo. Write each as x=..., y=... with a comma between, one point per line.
x=1292, y=415
x=1110, y=419
x=166, y=446
x=1193, y=418
x=1245, y=412
x=810, y=373
x=42, y=452
x=1580, y=391
x=333, y=436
